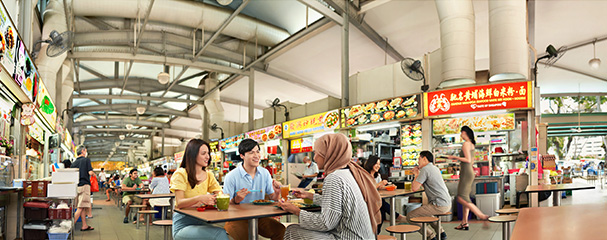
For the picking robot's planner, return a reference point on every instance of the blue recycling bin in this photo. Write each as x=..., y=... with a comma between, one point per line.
x=460, y=210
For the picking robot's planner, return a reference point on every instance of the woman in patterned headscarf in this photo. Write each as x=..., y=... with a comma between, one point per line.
x=350, y=204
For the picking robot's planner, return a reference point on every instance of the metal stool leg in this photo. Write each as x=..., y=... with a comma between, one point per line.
x=147, y=226
x=438, y=233
x=505, y=231
x=165, y=233
x=137, y=216
x=163, y=213
x=424, y=231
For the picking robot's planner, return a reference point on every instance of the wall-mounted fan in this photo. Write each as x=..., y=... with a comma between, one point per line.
x=414, y=70
x=58, y=43
x=276, y=103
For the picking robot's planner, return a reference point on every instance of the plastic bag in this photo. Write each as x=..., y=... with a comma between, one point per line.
x=94, y=184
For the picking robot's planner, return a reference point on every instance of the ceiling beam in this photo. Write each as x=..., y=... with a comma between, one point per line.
x=142, y=28
x=155, y=59
x=322, y=9
x=92, y=71
x=368, y=5
x=357, y=20
x=131, y=97
x=120, y=122
x=130, y=108
x=122, y=130
x=102, y=25
x=597, y=77
x=126, y=76
x=138, y=84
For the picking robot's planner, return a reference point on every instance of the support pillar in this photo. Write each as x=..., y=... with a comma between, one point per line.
x=162, y=147
x=252, y=100
x=345, y=58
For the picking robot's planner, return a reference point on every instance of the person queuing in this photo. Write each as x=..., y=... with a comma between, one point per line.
x=131, y=183
x=350, y=203
x=83, y=200
x=247, y=183
x=466, y=178
x=439, y=201
x=192, y=184
x=372, y=166
x=309, y=174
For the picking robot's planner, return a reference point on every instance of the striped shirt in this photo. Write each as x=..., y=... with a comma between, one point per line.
x=343, y=213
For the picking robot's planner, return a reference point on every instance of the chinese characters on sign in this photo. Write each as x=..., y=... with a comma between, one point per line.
x=479, y=98
x=321, y=122
x=266, y=134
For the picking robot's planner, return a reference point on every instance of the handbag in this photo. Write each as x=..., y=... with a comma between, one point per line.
x=94, y=184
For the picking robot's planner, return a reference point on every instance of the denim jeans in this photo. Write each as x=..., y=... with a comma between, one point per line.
x=186, y=227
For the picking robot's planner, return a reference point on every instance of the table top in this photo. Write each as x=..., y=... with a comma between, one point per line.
x=584, y=221
x=146, y=196
x=136, y=191
x=235, y=212
x=558, y=187
x=397, y=192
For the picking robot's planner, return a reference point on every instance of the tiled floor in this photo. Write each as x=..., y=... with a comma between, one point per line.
x=108, y=222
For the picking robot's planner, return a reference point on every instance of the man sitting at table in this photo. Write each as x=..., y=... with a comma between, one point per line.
x=247, y=183
x=131, y=183
x=439, y=200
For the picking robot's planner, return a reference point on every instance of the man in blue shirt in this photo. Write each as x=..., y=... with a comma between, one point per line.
x=250, y=182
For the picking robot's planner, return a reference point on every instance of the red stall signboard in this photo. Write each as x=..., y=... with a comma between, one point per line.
x=514, y=95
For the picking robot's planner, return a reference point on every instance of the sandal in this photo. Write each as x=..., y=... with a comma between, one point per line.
x=463, y=226
x=89, y=228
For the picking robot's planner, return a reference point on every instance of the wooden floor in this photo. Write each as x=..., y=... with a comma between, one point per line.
x=107, y=221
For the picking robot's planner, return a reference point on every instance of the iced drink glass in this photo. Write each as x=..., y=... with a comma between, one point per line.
x=223, y=202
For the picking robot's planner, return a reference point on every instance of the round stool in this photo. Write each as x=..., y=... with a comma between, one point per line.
x=385, y=237
x=438, y=232
x=136, y=208
x=423, y=221
x=166, y=224
x=402, y=229
x=147, y=218
x=505, y=220
x=507, y=211
x=164, y=208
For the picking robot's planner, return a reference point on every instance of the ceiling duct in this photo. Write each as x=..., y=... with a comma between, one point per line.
x=457, y=42
x=509, y=58
x=186, y=13
x=48, y=67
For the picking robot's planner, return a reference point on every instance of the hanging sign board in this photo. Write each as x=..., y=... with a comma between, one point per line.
x=265, y=134
x=514, y=95
x=296, y=145
x=322, y=122
x=231, y=142
x=381, y=111
x=37, y=132
x=498, y=122
x=179, y=156
x=46, y=106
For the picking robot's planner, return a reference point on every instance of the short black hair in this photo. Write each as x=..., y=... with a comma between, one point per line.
x=79, y=149
x=102, y=169
x=158, y=171
x=132, y=170
x=428, y=155
x=247, y=145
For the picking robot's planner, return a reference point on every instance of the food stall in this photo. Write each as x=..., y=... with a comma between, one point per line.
x=229, y=147
x=497, y=113
x=216, y=160
x=389, y=129
x=301, y=134
x=271, y=148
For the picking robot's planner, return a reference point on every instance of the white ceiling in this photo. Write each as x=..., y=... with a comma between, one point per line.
x=412, y=28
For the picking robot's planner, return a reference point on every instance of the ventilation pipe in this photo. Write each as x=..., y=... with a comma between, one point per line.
x=67, y=87
x=457, y=42
x=212, y=102
x=54, y=19
x=507, y=40
x=186, y=13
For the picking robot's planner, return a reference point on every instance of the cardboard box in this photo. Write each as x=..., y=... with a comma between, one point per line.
x=64, y=176
x=63, y=190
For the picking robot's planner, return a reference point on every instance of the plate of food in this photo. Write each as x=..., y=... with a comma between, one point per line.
x=331, y=120
x=263, y=202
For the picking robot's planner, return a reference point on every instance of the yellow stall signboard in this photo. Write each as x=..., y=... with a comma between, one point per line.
x=322, y=122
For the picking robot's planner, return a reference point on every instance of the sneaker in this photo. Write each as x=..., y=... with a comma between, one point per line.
x=126, y=220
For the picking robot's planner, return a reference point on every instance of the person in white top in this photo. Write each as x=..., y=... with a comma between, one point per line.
x=102, y=178
x=309, y=174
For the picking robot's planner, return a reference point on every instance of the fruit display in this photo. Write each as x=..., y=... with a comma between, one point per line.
x=411, y=143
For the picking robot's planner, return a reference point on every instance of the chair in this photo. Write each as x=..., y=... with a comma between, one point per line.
x=438, y=234
x=423, y=221
x=505, y=220
x=147, y=219
x=385, y=237
x=166, y=224
x=136, y=208
x=402, y=230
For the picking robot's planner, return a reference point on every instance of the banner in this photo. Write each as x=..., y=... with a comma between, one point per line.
x=179, y=156
x=381, y=111
x=515, y=95
x=266, y=134
x=317, y=123
x=499, y=122
x=231, y=142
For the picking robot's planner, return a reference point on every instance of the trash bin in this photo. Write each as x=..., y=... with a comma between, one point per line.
x=460, y=210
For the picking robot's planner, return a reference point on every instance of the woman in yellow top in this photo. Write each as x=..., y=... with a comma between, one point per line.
x=192, y=184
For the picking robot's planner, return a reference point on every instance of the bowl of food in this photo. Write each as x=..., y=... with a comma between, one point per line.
x=262, y=202
x=391, y=188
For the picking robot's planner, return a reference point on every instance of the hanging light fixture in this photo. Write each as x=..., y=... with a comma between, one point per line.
x=594, y=63
x=121, y=136
x=140, y=110
x=129, y=127
x=164, y=77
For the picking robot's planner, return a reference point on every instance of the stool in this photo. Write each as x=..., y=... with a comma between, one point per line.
x=505, y=220
x=423, y=221
x=402, y=229
x=166, y=224
x=438, y=233
x=164, y=209
x=507, y=211
x=385, y=237
x=147, y=218
x=136, y=208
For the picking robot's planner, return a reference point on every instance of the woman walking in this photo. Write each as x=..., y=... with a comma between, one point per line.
x=466, y=178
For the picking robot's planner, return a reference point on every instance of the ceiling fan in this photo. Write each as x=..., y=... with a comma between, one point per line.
x=414, y=70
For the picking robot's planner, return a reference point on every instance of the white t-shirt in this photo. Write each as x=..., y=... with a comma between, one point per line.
x=102, y=177
x=311, y=170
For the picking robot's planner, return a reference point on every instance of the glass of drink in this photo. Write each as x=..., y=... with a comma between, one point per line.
x=223, y=202
x=284, y=191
